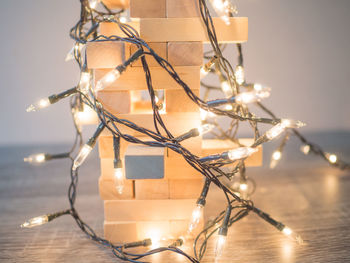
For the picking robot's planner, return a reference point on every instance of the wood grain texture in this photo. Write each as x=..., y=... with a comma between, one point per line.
x=185, y=53
x=113, y=4
x=106, y=54
x=147, y=8
x=302, y=191
x=182, y=8
x=118, y=102
x=178, y=101
x=159, y=47
x=134, y=78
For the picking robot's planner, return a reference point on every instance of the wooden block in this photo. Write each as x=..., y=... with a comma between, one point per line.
x=118, y=102
x=184, y=29
x=156, y=230
x=185, y=53
x=120, y=232
x=151, y=189
x=105, y=54
x=182, y=8
x=159, y=47
x=110, y=28
x=178, y=101
x=176, y=167
x=108, y=191
x=113, y=4
x=134, y=78
x=148, y=210
x=147, y=8
x=142, y=162
x=185, y=188
x=105, y=146
x=215, y=146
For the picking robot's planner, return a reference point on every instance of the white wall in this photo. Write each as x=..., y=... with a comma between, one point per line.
x=299, y=48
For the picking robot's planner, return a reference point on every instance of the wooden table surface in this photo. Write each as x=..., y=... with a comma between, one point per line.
x=303, y=192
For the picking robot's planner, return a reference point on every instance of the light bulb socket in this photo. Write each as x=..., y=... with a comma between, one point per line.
x=92, y=141
x=56, y=97
x=118, y=164
x=142, y=243
x=192, y=133
x=223, y=231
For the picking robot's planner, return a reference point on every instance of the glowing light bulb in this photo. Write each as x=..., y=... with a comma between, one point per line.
x=243, y=187
x=43, y=103
x=305, y=149
x=197, y=214
x=203, y=72
x=84, y=83
x=252, y=96
x=288, y=123
x=77, y=47
x=276, y=156
x=275, y=131
x=205, y=128
x=87, y=116
x=123, y=19
x=226, y=88
x=107, y=79
x=258, y=87
x=228, y=107
x=36, y=221
x=35, y=158
x=119, y=179
x=239, y=75
x=220, y=244
x=206, y=114
x=292, y=235
x=224, y=9
x=93, y=3
x=84, y=152
x=241, y=152
x=332, y=158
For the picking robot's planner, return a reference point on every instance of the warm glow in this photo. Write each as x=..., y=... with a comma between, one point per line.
x=36, y=221
x=35, y=158
x=332, y=158
x=241, y=152
x=205, y=128
x=220, y=244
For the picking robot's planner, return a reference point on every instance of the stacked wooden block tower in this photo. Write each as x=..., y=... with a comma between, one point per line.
x=161, y=188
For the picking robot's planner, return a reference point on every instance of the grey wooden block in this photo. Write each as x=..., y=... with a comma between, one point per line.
x=144, y=162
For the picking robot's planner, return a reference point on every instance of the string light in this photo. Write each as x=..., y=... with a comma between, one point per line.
x=224, y=9
x=75, y=49
x=211, y=170
x=115, y=73
x=305, y=149
x=87, y=148
x=226, y=88
x=43, y=157
x=276, y=156
x=205, y=128
x=239, y=75
x=40, y=220
x=43, y=103
x=292, y=235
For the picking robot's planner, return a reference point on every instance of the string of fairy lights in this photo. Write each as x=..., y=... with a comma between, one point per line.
x=234, y=106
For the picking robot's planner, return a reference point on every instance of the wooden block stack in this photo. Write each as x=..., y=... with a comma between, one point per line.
x=161, y=187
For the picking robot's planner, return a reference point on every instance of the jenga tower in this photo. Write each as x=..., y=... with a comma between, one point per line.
x=161, y=188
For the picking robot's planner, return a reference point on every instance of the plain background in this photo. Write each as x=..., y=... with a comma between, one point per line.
x=299, y=48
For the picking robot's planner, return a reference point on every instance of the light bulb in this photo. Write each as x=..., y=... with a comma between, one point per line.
x=43, y=103
x=228, y=107
x=276, y=156
x=243, y=187
x=107, y=79
x=305, y=149
x=77, y=47
x=35, y=158
x=119, y=180
x=241, y=152
x=220, y=244
x=224, y=9
x=88, y=115
x=226, y=88
x=288, y=123
x=258, y=87
x=84, y=83
x=93, y=3
x=205, y=128
x=332, y=158
x=206, y=114
x=292, y=235
x=239, y=75
x=36, y=221
x=84, y=152
x=252, y=96
x=123, y=19
x=203, y=72
x=275, y=131
x=197, y=214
